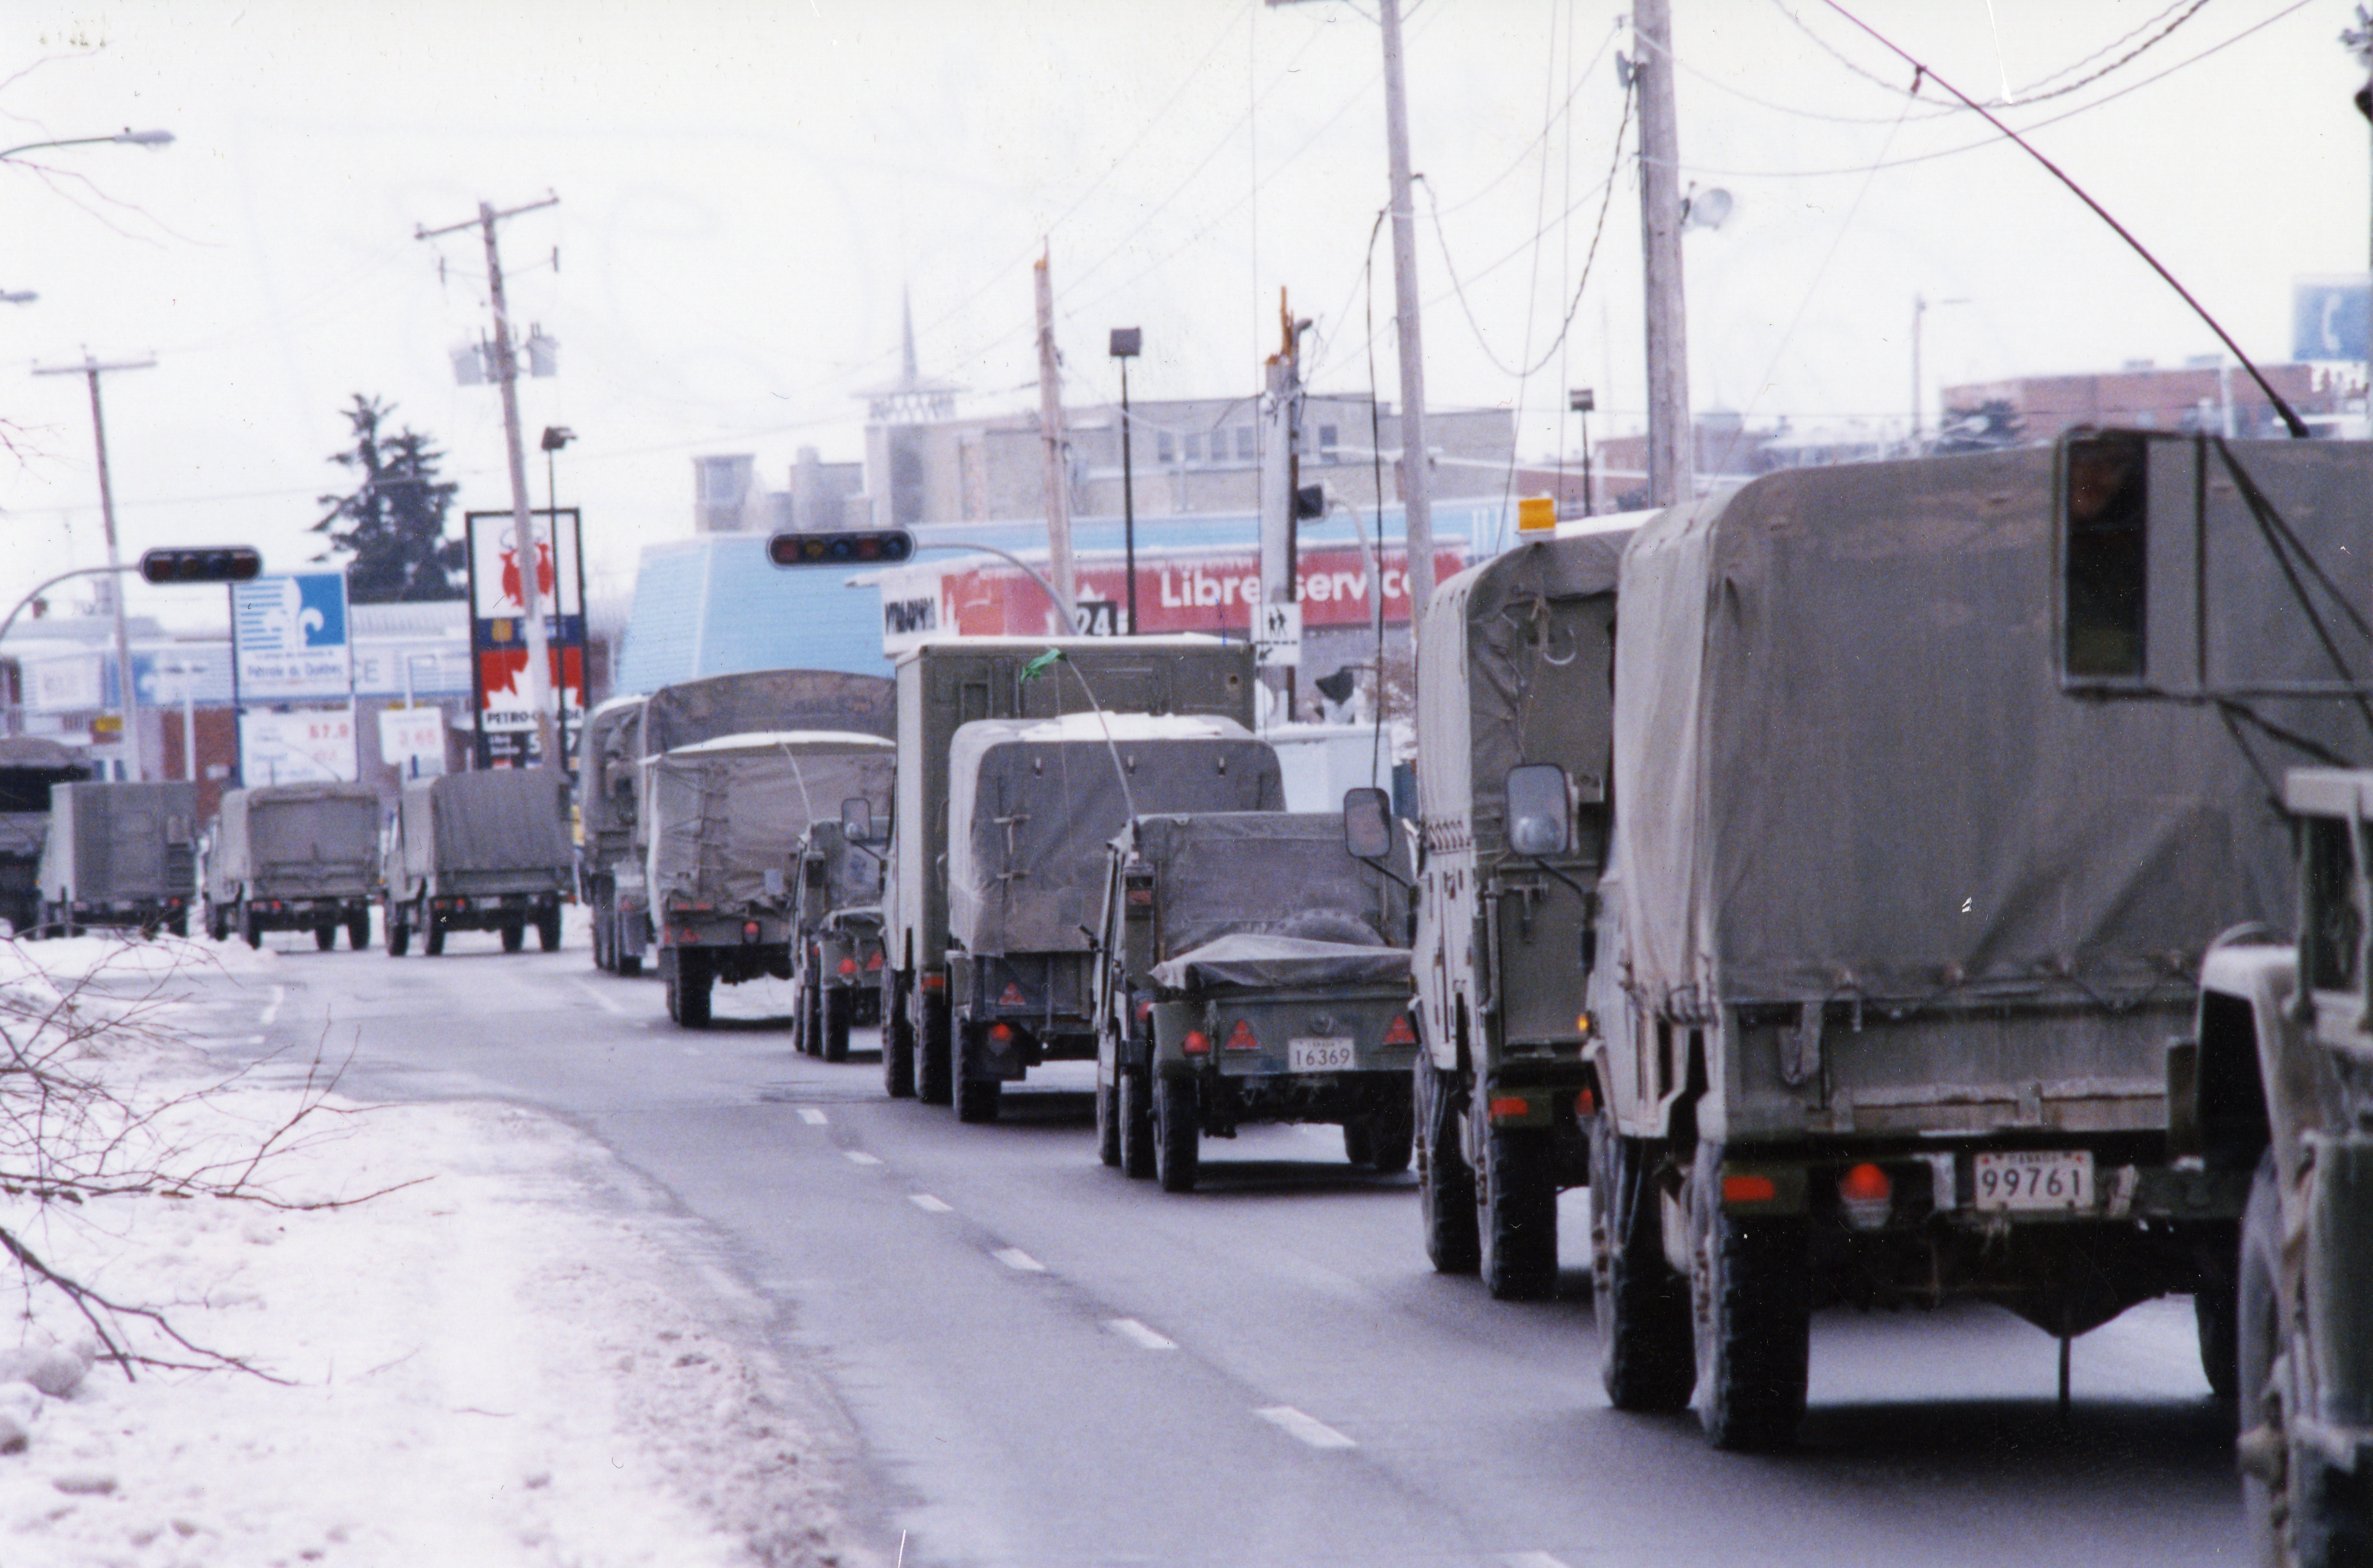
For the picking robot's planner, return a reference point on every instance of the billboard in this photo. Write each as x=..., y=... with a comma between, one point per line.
x=411, y=740
x=499, y=646
x=2329, y=316
x=288, y=637
x=316, y=747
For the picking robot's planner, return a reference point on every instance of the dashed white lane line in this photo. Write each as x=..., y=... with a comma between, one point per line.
x=859, y=1157
x=929, y=1204
x=1140, y=1335
x=251, y=1040
x=1532, y=1560
x=1021, y=1262
x=812, y=1117
x=599, y=998
x=1308, y=1428
x=271, y=1009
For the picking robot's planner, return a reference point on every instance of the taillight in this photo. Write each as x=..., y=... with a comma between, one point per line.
x=1867, y=1195
x=1508, y=1106
x=1242, y=1039
x=1196, y=1042
x=749, y=930
x=849, y=965
x=1586, y=1103
x=1001, y=1033
x=1748, y=1189
x=873, y=960
x=1402, y=1033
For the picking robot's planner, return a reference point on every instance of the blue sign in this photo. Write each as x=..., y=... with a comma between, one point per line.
x=2329, y=317
x=288, y=635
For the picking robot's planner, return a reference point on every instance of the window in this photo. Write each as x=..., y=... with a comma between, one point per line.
x=1247, y=444
x=1327, y=443
x=1193, y=448
x=1166, y=447
x=2106, y=537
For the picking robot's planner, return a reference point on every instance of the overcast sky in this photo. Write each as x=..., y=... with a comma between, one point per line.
x=746, y=189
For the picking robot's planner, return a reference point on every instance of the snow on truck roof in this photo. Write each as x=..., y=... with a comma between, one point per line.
x=982, y=734
x=787, y=740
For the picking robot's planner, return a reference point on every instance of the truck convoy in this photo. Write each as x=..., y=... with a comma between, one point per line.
x=943, y=685
x=121, y=854
x=1250, y=969
x=294, y=857
x=479, y=851
x=837, y=932
x=1516, y=672
x=28, y=766
x=1031, y=805
x=719, y=820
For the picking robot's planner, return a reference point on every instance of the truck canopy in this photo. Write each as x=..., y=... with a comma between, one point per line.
x=502, y=820
x=612, y=733
x=311, y=837
x=121, y=841
x=724, y=813
x=1032, y=802
x=1845, y=767
x=1268, y=899
x=767, y=701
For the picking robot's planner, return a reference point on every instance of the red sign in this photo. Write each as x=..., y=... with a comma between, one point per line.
x=1206, y=593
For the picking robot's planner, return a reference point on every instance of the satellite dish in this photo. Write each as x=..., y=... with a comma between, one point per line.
x=1706, y=209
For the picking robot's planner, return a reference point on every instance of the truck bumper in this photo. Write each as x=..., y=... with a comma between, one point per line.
x=735, y=947
x=491, y=911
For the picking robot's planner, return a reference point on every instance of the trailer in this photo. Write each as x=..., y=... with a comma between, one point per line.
x=479, y=852
x=120, y=854
x=28, y=766
x=608, y=756
x=294, y=857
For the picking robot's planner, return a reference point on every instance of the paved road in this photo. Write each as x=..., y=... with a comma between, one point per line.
x=1054, y=1367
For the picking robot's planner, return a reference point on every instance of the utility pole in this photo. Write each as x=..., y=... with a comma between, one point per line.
x=1417, y=477
x=1281, y=474
x=1050, y=427
x=1918, y=308
x=1672, y=455
x=539, y=654
x=109, y=595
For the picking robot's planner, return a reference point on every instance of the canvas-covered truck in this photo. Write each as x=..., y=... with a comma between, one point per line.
x=1031, y=805
x=1250, y=968
x=1516, y=669
x=121, y=854
x=479, y=852
x=744, y=703
x=720, y=821
x=608, y=759
x=294, y=857
x=1901, y=938
x=942, y=685
x=28, y=766
x=836, y=930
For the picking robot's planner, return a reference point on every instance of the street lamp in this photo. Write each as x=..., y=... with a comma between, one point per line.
x=1581, y=401
x=1126, y=343
x=1920, y=307
x=127, y=137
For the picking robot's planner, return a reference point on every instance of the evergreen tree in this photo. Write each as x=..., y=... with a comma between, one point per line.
x=393, y=524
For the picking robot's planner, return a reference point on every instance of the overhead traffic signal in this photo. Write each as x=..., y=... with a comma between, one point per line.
x=216, y=563
x=845, y=547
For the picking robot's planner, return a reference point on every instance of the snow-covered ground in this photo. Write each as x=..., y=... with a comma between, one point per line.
x=521, y=1359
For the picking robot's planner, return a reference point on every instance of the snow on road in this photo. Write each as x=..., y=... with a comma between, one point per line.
x=522, y=1358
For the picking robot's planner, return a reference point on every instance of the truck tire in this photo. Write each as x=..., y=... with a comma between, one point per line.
x=325, y=937
x=217, y=927
x=630, y=964
x=1446, y=1188
x=835, y=1008
x=547, y=929
x=978, y=1099
x=2215, y=1313
x=399, y=935
x=514, y=935
x=688, y=985
x=1108, y=1107
x=803, y=1030
x=1356, y=1147
x=602, y=955
x=432, y=936
x=1133, y=1101
x=1515, y=1213
x=180, y=924
x=1392, y=1139
x=250, y=930
x=897, y=1043
x=1751, y=1309
x=1641, y=1307
x=1177, y=1134
x=358, y=932
x=935, y=1059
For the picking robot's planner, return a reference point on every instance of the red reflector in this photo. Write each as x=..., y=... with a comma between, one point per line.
x=849, y=965
x=1748, y=1189
x=1141, y=897
x=1000, y=1033
x=1012, y=997
x=1510, y=1106
x=1144, y=1011
x=1242, y=1039
x=1402, y=1033
x=750, y=928
x=1586, y=1103
x=1865, y=1184
x=1196, y=1042
x=934, y=982
x=873, y=960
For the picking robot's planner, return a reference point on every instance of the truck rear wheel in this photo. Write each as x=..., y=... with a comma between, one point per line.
x=1356, y=1148
x=359, y=931
x=432, y=936
x=1641, y=1307
x=977, y=1098
x=1750, y=1311
x=688, y=984
x=834, y=1008
x=325, y=937
x=897, y=1042
x=934, y=1064
x=547, y=929
x=601, y=952
x=2214, y=1313
x=250, y=930
x=1515, y=1213
x=399, y=935
x=1108, y=1106
x=1392, y=1139
x=1177, y=1134
x=1446, y=1188
x=1133, y=1102
x=514, y=935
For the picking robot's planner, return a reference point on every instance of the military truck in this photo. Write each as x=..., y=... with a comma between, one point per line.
x=294, y=857
x=1516, y=671
x=1031, y=805
x=941, y=685
x=609, y=754
x=719, y=820
x=684, y=714
x=837, y=932
x=121, y=854
x=1251, y=969
x=28, y=766
x=479, y=852
x=1897, y=936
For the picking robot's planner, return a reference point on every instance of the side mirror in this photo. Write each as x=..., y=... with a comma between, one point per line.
x=1367, y=824
x=1540, y=817
x=857, y=817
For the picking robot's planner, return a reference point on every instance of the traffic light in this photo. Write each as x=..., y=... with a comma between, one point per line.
x=216, y=563
x=848, y=547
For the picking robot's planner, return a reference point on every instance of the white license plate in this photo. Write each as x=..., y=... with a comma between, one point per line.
x=1330, y=1053
x=2042, y=1178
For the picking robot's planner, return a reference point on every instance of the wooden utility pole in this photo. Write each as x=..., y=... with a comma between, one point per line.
x=1051, y=428
x=1672, y=443
x=1417, y=478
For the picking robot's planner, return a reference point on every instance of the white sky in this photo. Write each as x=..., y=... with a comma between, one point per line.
x=745, y=189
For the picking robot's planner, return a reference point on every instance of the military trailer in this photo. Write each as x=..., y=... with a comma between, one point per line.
x=1516, y=670
x=479, y=852
x=120, y=854
x=1901, y=938
x=747, y=702
x=608, y=755
x=28, y=766
x=837, y=932
x=944, y=684
x=719, y=820
x=294, y=857
x=1251, y=970
x=1031, y=805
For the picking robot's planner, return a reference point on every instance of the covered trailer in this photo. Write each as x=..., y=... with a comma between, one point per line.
x=1904, y=936
x=722, y=824
x=608, y=755
x=837, y=932
x=294, y=857
x=1032, y=804
x=121, y=854
x=479, y=851
x=28, y=766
